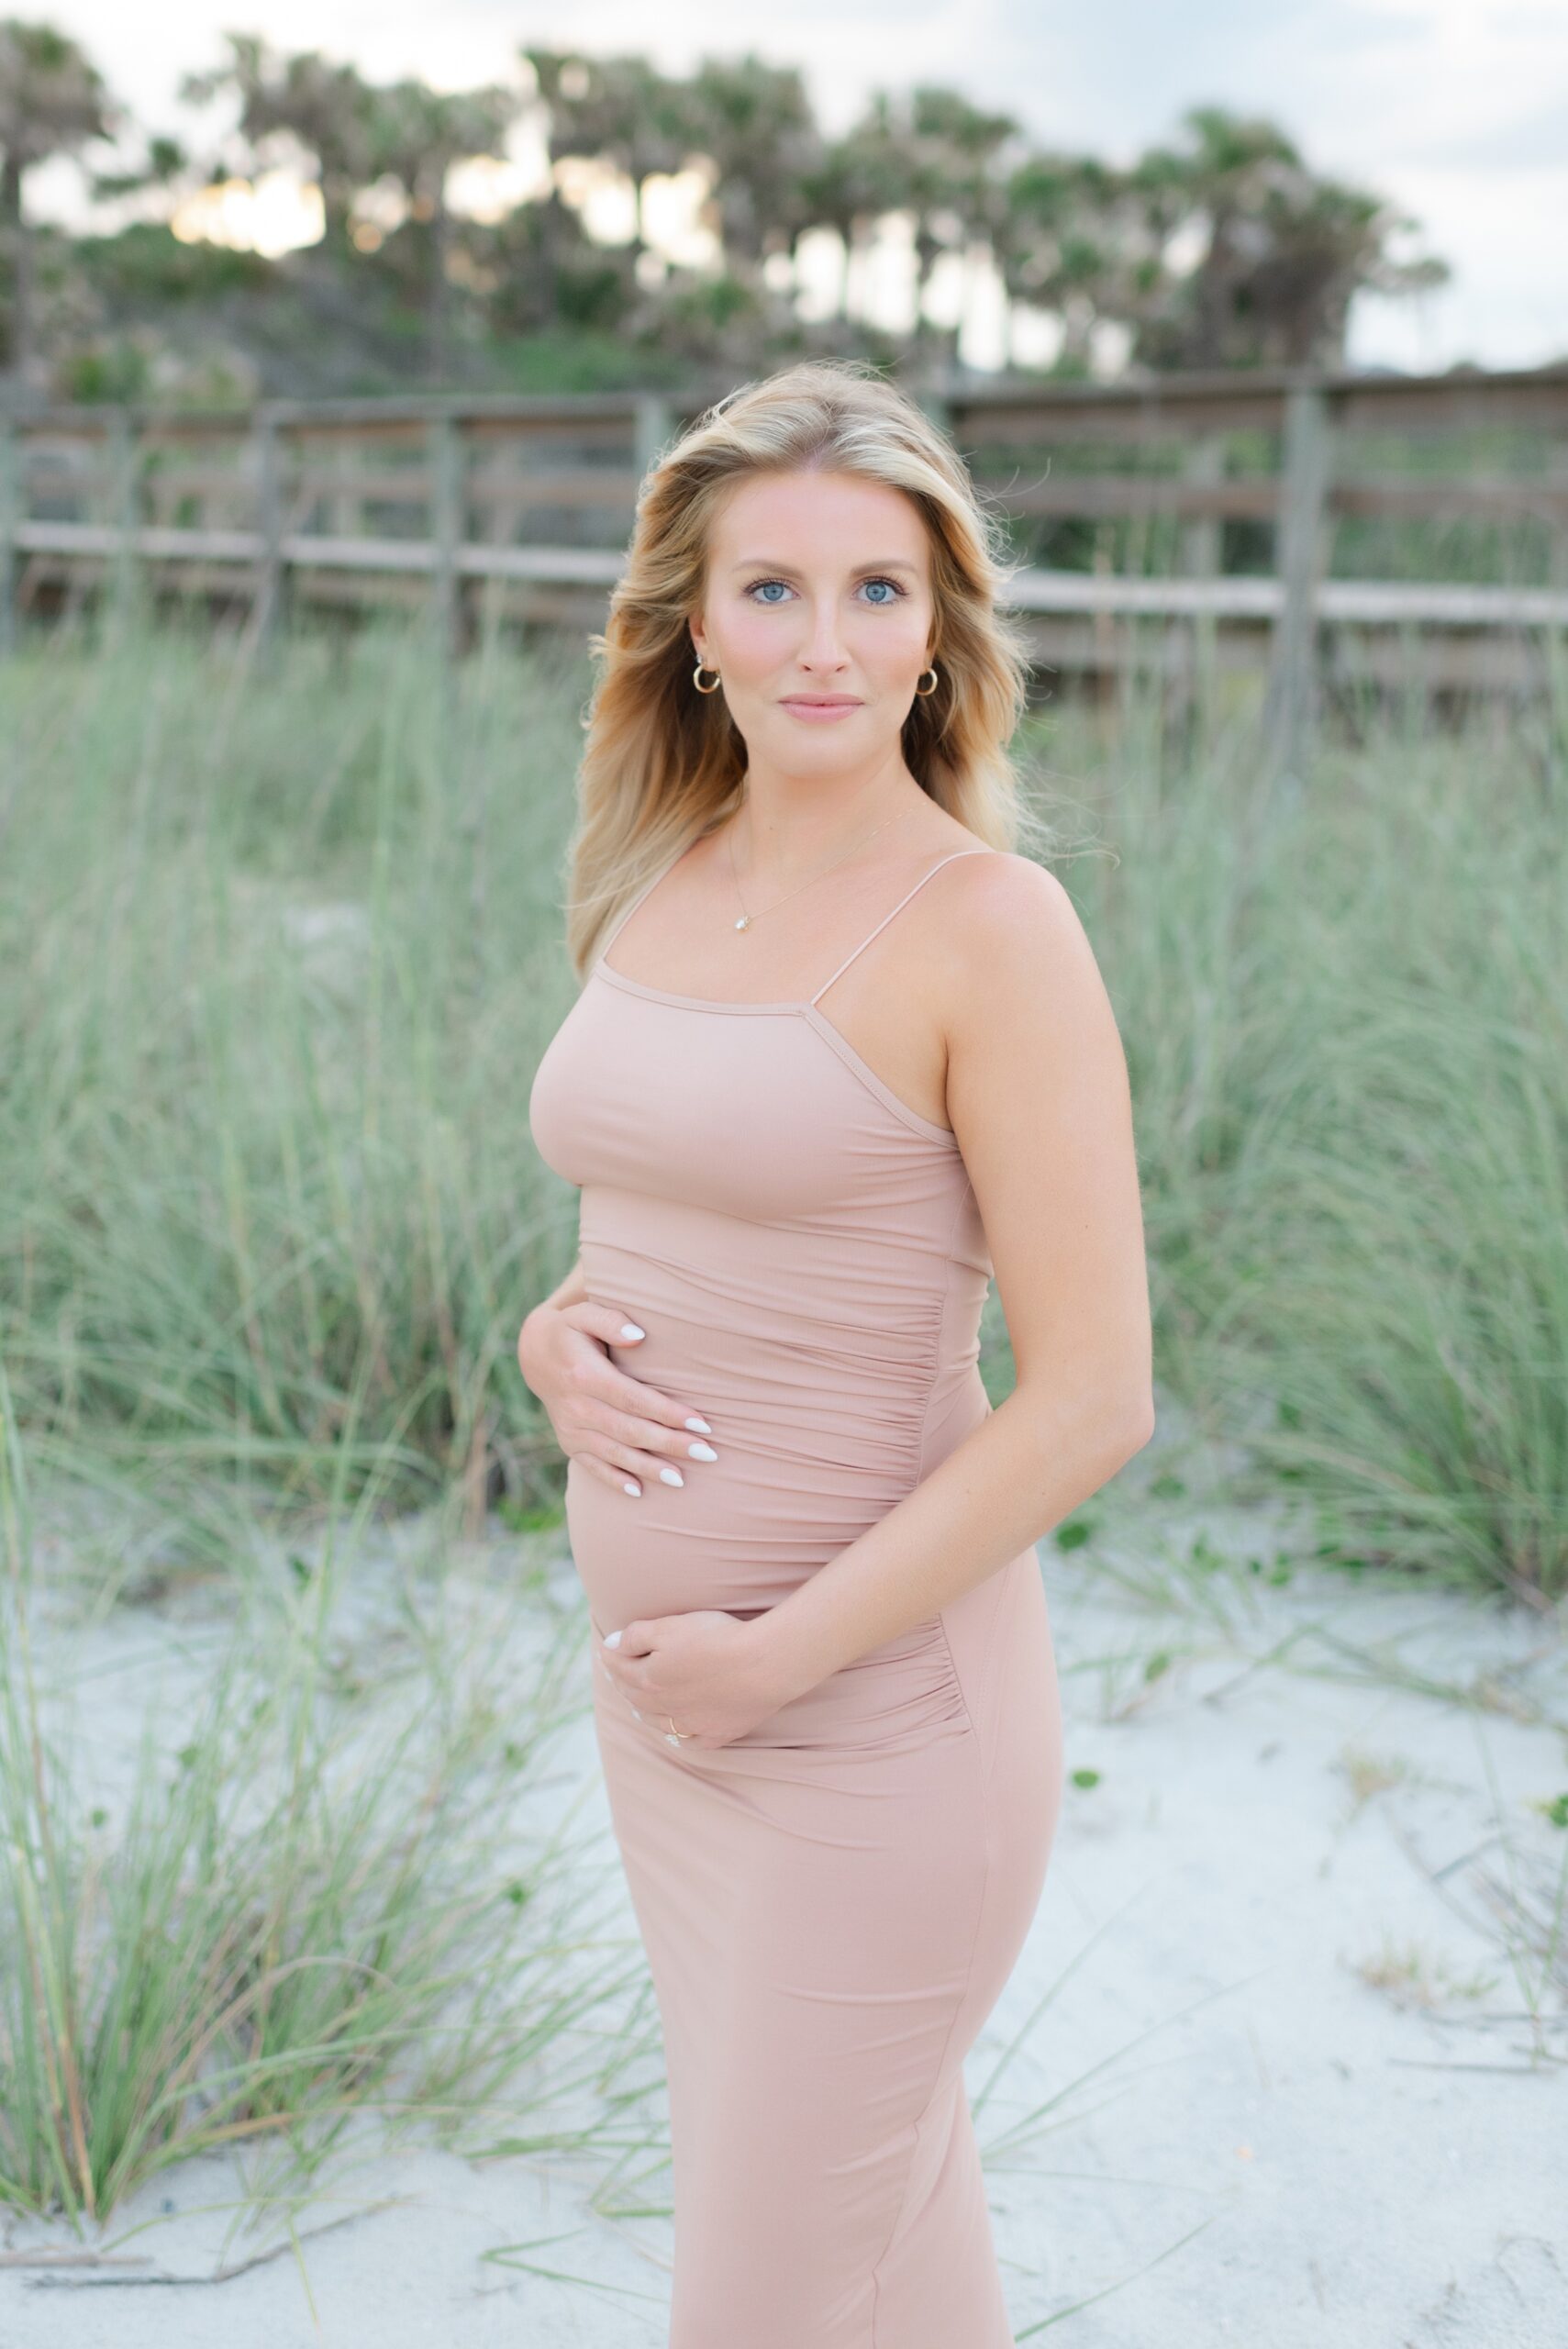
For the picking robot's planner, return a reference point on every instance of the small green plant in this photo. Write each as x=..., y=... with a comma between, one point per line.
x=293, y=1917
x=536, y=1518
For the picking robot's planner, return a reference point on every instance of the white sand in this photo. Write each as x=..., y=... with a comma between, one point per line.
x=1361, y=2173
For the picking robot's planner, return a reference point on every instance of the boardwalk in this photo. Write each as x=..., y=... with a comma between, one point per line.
x=1333, y=531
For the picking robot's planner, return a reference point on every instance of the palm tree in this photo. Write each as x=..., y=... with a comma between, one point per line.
x=853, y=182
x=1284, y=250
x=163, y=164
x=619, y=110
x=929, y=153
x=414, y=136
x=1074, y=238
x=951, y=151
x=326, y=106
x=52, y=102
x=753, y=123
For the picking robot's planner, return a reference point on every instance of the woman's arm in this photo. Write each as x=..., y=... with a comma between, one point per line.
x=1038, y=1096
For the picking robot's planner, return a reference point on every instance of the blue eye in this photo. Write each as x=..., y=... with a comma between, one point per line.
x=882, y=601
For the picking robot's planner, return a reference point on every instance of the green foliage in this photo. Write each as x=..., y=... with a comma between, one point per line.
x=143, y=265
x=323, y=956
x=264, y=1148
x=1346, y=1017
x=1280, y=250
x=290, y=1913
x=117, y=370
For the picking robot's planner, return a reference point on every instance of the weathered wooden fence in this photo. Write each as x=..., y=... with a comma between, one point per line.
x=1334, y=530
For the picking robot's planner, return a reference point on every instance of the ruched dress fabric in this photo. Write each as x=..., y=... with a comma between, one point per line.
x=831, y=1903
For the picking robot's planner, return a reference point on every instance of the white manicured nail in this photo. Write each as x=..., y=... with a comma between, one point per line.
x=672, y=1477
x=612, y=1639
x=701, y=1426
x=634, y=1490
x=702, y=1452
x=630, y=1330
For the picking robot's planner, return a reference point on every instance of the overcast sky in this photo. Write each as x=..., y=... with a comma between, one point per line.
x=1456, y=109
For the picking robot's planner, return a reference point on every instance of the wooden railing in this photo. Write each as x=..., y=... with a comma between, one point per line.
x=1192, y=524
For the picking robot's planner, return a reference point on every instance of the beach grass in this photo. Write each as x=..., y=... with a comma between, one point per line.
x=314, y=1891
x=283, y=944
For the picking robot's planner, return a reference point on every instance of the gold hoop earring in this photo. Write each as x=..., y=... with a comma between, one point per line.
x=925, y=691
x=697, y=680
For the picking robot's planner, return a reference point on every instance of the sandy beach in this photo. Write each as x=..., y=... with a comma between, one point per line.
x=1283, y=2058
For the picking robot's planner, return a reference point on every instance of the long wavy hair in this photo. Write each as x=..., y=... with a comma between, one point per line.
x=663, y=764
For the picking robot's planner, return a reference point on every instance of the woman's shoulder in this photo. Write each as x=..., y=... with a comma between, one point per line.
x=1001, y=882
x=1005, y=921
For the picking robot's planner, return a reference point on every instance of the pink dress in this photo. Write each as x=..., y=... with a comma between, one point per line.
x=831, y=1903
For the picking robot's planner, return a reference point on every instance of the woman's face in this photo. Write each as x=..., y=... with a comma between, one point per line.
x=818, y=592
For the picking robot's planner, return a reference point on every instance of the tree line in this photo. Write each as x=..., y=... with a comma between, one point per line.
x=1221, y=248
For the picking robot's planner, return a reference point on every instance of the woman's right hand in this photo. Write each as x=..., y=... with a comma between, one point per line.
x=615, y=1425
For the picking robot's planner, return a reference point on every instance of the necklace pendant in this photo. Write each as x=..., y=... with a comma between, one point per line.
x=744, y=922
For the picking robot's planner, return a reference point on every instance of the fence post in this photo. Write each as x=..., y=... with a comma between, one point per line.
x=266, y=605
x=1202, y=551
x=121, y=458
x=1303, y=505
x=10, y=513
x=652, y=426
x=1557, y=474
x=1554, y=638
x=445, y=461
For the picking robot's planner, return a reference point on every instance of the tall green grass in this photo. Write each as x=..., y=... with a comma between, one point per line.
x=311, y=1910
x=282, y=949
x=1346, y=1013
x=280, y=945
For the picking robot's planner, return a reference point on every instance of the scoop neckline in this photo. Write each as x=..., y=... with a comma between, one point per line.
x=693, y=1002
x=819, y=1022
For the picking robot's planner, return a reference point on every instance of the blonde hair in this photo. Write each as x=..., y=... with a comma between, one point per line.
x=663, y=764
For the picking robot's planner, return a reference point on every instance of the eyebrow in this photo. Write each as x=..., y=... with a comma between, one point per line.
x=766, y=563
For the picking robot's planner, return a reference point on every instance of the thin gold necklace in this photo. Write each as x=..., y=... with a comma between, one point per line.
x=748, y=918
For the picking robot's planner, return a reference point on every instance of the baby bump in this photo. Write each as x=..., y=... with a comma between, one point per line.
x=791, y=1487
x=807, y=1462
x=722, y=1538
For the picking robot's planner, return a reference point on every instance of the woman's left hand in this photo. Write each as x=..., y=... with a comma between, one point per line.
x=701, y=1670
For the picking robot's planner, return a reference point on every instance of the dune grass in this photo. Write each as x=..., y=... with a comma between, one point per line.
x=281, y=952
x=312, y=1915
x=1346, y=1011
x=282, y=945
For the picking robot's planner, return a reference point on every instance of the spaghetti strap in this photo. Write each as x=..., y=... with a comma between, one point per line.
x=898, y=908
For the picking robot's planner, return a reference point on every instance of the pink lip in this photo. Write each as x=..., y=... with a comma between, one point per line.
x=827, y=705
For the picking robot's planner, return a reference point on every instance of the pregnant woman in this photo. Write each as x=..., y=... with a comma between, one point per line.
x=852, y=1057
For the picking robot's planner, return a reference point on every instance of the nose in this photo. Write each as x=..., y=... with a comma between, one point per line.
x=823, y=651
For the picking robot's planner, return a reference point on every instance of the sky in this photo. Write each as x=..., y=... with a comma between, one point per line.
x=1456, y=110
